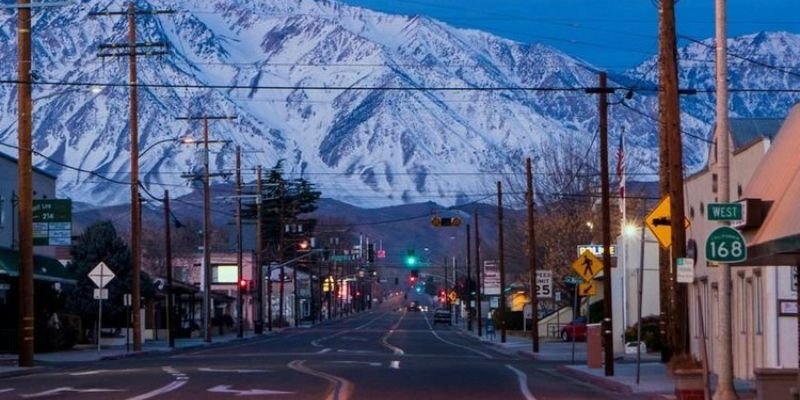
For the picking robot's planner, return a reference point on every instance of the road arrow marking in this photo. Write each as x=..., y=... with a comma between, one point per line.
x=239, y=371
x=250, y=392
x=69, y=389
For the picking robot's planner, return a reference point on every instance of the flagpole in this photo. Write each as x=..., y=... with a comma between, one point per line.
x=623, y=209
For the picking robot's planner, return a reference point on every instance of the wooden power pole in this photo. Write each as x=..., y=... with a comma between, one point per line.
x=501, y=250
x=532, y=260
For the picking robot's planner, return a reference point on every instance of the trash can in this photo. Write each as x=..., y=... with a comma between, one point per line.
x=594, y=345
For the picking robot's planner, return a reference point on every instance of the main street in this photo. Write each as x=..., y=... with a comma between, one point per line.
x=386, y=353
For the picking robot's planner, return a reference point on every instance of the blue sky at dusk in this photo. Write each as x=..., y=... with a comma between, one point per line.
x=611, y=34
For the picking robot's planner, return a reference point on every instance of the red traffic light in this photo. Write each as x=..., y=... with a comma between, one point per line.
x=243, y=283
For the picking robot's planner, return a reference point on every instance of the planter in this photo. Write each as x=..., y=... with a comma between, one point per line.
x=688, y=384
x=775, y=383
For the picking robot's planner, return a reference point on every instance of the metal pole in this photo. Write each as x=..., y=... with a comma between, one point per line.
x=170, y=289
x=478, y=282
x=206, y=238
x=259, y=328
x=606, y=215
x=239, y=294
x=469, y=283
x=574, y=311
x=99, y=315
x=24, y=176
x=725, y=389
x=639, y=300
x=501, y=250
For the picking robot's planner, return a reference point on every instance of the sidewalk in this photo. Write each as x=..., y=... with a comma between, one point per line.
x=86, y=353
x=653, y=377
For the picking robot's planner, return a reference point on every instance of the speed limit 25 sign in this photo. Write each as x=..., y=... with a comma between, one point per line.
x=544, y=284
x=725, y=245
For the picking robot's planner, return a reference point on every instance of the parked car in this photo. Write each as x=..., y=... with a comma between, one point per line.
x=441, y=316
x=575, y=330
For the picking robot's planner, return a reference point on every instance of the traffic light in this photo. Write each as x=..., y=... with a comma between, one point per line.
x=438, y=221
x=411, y=259
x=243, y=286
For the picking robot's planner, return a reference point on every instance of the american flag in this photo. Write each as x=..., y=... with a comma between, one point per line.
x=621, y=172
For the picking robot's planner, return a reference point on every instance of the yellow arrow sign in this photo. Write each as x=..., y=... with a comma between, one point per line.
x=587, y=265
x=659, y=222
x=587, y=289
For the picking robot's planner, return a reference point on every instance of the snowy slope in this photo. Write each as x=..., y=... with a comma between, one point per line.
x=352, y=99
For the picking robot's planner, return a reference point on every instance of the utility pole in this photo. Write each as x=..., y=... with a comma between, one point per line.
x=168, y=256
x=532, y=260
x=206, y=221
x=606, y=215
x=502, y=302
x=259, y=266
x=478, y=281
x=25, y=186
x=239, y=240
x=608, y=344
x=670, y=102
x=130, y=49
x=725, y=389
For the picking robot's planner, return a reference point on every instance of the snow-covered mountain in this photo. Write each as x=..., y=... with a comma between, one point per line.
x=375, y=109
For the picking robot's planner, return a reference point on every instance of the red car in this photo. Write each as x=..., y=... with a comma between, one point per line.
x=575, y=330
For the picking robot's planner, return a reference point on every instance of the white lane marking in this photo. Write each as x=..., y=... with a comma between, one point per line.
x=523, y=383
x=454, y=344
x=342, y=388
x=238, y=371
x=98, y=371
x=69, y=389
x=355, y=351
x=323, y=351
x=394, y=365
x=249, y=392
x=6, y=390
x=158, y=392
x=371, y=364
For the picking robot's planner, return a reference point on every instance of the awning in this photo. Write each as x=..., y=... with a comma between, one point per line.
x=44, y=268
x=777, y=179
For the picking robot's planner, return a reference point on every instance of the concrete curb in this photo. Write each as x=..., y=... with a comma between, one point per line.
x=595, y=380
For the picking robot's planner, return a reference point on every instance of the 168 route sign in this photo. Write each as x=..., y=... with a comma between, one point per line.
x=725, y=245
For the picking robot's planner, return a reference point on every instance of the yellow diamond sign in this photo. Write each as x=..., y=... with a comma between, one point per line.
x=659, y=222
x=587, y=289
x=587, y=265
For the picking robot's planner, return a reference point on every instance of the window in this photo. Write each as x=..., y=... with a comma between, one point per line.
x=741, y=302
x=758, y=303
x=691, y=212
x=714, y=183
x=224, y=273
x=702, y=208
x=739, y=191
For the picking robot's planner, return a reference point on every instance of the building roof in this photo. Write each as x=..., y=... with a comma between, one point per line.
x=44, y=268
x=37, y=170
x=777, y=179
x=746, y=131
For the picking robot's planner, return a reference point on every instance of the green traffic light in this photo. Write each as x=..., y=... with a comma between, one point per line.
x=411, y=261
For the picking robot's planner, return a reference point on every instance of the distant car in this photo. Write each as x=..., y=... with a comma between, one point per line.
x=574, y=331
x=413, y=307
x=441, y=317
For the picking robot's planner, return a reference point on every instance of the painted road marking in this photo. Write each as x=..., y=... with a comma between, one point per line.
x=436, y=334
x=317, y=342
x=342, y=388
x=323, y=351
x=249, y=392
x=385, y=340
x=371, y=364
x=6, y=390
x=394, y=365
x=180, y=380
x=523, y=383
x=69, y=389
x=238, y=371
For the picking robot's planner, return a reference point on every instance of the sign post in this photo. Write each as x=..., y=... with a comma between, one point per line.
x=100, y=275
x=126, y=299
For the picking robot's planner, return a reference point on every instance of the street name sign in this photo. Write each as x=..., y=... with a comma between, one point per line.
x=597, y=249
x=725, y=245
x=724, y=211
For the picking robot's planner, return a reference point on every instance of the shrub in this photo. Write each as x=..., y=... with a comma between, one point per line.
x=651, y=332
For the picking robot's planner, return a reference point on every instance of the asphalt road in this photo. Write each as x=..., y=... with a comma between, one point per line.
x=382, y=354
